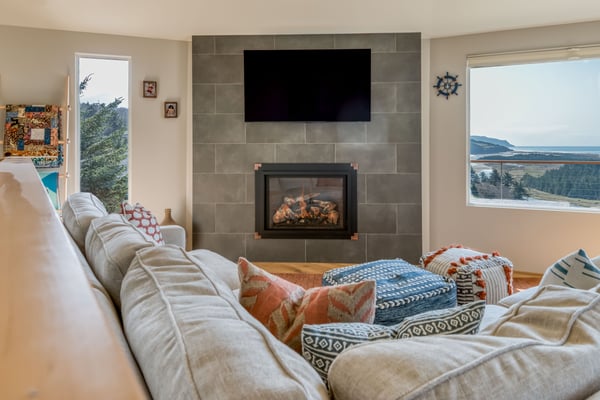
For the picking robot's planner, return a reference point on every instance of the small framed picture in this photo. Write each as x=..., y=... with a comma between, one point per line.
x=150, y=88
x=170, y=109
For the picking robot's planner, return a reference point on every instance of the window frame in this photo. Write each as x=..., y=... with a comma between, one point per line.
x=76, y=137
x=521, y=57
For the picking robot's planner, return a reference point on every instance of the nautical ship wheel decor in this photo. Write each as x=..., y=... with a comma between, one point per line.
x=447, y=85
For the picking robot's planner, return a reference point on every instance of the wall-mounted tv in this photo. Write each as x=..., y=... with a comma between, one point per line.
x=307, y=85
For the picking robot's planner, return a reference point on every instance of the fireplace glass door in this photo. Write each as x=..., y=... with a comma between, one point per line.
x=306, y=200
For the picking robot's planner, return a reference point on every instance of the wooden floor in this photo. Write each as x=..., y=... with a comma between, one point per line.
x=521, y=280
x=298, y=268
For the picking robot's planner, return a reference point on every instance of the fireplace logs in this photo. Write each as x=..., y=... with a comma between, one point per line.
x=306, y=210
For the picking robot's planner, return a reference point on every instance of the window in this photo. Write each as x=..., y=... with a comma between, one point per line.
x=103, y=128
x=534, y=129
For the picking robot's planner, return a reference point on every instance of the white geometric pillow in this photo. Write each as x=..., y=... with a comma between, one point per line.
x=575, y=270
x=596, y=261
x=322, y=343
x=461, y=320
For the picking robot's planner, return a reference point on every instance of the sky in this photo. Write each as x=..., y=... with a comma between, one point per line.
x=546, y=104
x=110, y=80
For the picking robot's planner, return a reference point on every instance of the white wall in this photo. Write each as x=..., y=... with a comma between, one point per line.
x=531, y=239
x=33, y=68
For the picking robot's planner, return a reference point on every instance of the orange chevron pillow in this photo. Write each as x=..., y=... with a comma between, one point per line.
x=284, y=307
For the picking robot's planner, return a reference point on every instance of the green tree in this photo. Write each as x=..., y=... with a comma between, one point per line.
x=488, y=191
x=519, y=191
x=495, y=177
x=474, y=182
x=572, y=180
x=103, y=150
x=483, y=178
x=507, y=179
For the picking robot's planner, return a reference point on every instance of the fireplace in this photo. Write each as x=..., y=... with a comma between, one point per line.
x=306, y=201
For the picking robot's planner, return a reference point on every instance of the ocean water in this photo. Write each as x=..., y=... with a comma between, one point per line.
x=560, y=149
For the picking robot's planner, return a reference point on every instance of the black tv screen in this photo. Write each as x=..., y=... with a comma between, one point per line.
x=307, y=85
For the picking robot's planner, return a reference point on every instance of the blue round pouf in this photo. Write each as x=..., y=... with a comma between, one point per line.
x=402, y=290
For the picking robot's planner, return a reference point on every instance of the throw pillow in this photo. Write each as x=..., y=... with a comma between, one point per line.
x=575, y=270
x=142, y=219
x=284, y=307
x=322, y=343
x=596, y=261
x=478, y=276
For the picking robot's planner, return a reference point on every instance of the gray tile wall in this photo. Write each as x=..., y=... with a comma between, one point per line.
x=387, y=149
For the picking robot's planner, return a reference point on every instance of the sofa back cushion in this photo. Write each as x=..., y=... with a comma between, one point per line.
x=551, y=338
x=78, y=211
x=225, y=269
x=110, y=245
x=193, y=340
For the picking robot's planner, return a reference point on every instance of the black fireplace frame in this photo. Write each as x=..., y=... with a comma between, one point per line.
x=347, y=171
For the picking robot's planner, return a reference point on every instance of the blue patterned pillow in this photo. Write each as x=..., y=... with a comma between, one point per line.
x=575, y=270
x=322, y=343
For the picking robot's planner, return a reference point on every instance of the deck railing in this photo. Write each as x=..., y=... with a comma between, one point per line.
x=503, y=164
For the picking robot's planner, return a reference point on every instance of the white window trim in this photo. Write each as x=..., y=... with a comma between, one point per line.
x=514, y=58
x=75, y=142
x=533, y=56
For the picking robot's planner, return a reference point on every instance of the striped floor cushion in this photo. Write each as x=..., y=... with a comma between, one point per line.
x=478, y=276
x=402, y=288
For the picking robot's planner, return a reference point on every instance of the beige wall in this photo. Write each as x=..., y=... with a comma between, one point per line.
x=34, y=64
x=531, y=239
x=33, y=69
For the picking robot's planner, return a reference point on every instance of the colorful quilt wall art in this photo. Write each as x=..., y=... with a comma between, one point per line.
x=34, y=131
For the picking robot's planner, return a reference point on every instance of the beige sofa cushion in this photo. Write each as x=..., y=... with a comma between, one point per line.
x=491, y=315
x=225, y=269
x=518, y=297
x=193, y=340
x=545, y=347
x=78, y=211
x=110, y=245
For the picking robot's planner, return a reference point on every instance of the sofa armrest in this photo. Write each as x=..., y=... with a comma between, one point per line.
x=173, y=234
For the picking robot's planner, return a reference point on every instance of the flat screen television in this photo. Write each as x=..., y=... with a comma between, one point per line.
x=307, y=85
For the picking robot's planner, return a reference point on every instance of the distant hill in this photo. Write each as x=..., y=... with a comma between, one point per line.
x=485, y=147
x=499, y=142
x=548, y=156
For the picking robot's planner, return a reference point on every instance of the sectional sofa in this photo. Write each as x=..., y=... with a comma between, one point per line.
x=179, y=321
